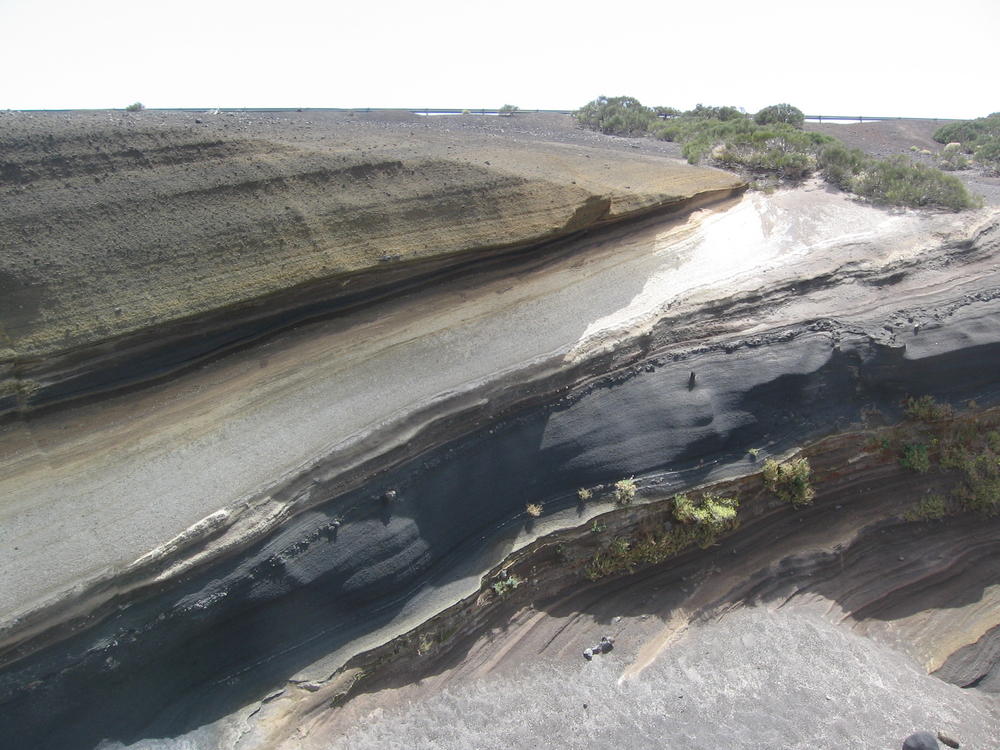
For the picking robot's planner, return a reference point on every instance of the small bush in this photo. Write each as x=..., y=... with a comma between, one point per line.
x=838, y=164
x=896, y=181
x=915, y=458
x=780, y=113
x=711, y=510
x=979, y=137
x=931, y=508
x=625, y=491
x=952, y=158
x=507, y=110
x=926, y=409
x=988, y=156
x=504, y=586
x=533, y=509
x=135, y=107
x=617, y=115
x=789, y=481
x=584, y=494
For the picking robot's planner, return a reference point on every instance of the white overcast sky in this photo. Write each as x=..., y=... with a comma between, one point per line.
x=875, y=57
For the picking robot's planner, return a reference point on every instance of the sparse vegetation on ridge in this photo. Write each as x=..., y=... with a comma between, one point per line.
x=135, y=107
x=967, y=447
x=698, y=522
x=771, y=146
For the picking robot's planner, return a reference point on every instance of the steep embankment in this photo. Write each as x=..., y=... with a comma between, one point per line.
x=137, y=245
x=313, y=496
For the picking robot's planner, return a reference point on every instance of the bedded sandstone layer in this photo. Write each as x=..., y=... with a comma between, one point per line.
x=137, y=244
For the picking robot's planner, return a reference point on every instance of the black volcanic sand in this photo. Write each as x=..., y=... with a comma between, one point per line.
x=223, y=638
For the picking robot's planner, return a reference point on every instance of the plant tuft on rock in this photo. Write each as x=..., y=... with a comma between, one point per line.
x=624, y=491
x=790, y=481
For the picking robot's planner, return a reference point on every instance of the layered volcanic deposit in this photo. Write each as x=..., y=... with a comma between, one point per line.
x=279, y=388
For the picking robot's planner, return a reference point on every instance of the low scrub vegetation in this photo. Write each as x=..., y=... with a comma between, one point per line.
x=790, y=481
x=926, y=409
x=915, y=458
x=696, y=522
x=965, y=448
x=930, y=508
x=979, y=138
x=772, y=146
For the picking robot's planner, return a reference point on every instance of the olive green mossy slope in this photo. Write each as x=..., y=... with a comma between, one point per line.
x=113, y=224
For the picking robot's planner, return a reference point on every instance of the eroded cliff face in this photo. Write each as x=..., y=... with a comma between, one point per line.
x=135, y=246
x=222, y=553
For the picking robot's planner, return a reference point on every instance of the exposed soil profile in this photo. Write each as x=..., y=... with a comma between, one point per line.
x=355, y=430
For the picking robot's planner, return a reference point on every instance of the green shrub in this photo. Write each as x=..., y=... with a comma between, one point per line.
x=624, y=491
x=135, y=107
x=952, y=158
x=780, y=113
x=838, y=164
x=507, y=110
x=789, y=481
x=915, y=458
x=711, y=517
x=980, y=491
x=988, y=156
x=617, y=115
x=970, y=132
x=926, y=409
x=980, y=137
x=898, y=182
x=715, y=113
x=712, y=510
x=931, y=508
x=505, y=586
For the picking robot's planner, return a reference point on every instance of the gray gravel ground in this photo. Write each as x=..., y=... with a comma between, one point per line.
x=757, y=679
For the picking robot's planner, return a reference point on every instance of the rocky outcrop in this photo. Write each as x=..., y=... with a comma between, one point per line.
x=221, y=552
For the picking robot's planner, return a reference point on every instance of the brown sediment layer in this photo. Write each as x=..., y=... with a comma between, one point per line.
x=127, y=240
